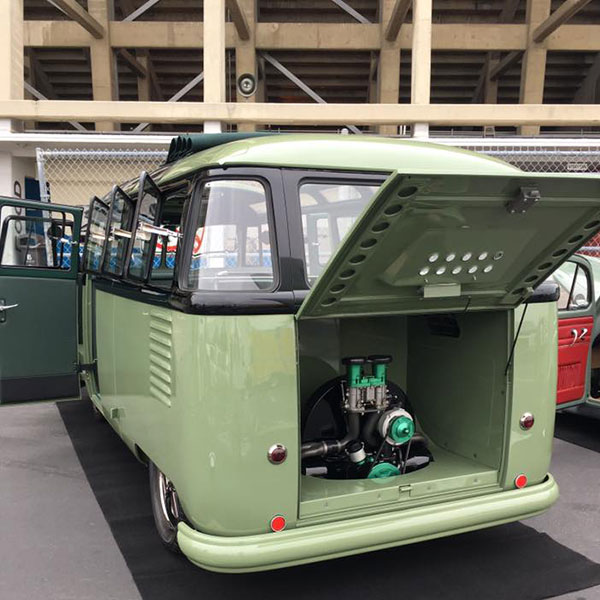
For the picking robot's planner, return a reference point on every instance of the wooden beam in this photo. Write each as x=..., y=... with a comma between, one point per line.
x=512, y=58
x=144, y=85
x=509, y=9
x=397, y=19
x=561, y=15
x=11, y=49
x=558, y=115
x=133, y=63
x=239, y=19
x=75, y=11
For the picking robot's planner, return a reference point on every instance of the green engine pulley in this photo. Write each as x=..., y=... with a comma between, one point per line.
x=401, y=430
x=383, y=470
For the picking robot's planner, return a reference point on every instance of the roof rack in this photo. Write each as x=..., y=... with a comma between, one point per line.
x=190, y=143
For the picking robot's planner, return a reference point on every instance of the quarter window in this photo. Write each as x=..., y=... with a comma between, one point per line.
x=121, y=216
x=574, y=286
x=232, y=248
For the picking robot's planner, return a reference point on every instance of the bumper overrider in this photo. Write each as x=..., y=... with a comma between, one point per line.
x=352, y=536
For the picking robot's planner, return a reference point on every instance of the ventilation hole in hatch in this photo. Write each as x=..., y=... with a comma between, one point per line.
x=433, y=257
x=531, y=279
x=574, y=239
x=473, y=269
x=393, y=210
x=592, y=225
x=328, y=302
x=424, y=271
x=456, y=270
x=347, y=274
x=379, y=227
x=519, y=292
x=450, y=257
x=336, y=289
x=559, y=253
x=498, y=255
x=356, y=260
x=544, y=266
x=467, y=256
x=406, y=192
x=483, y=256
x=368, y=243
x=487, y=269
x=440, y=270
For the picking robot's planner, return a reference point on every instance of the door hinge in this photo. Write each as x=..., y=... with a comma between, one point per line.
x=87, y=367
x=526, y=198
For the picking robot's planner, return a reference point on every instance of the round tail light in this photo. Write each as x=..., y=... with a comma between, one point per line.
x=277, y=523
x=526, y=421
x=520, y=481
x=277, y=453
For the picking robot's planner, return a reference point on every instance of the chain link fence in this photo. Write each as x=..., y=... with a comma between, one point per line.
x=72, y=176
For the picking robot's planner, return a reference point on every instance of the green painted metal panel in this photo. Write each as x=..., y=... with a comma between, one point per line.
x=455, y=242
x=205, y=397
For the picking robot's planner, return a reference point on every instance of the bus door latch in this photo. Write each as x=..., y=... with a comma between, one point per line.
x=3, y=308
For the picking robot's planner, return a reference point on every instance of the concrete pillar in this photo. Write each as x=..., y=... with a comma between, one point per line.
x=388, y=73
x=104, y=85
x=533, y=67
x=245, y=57
x=214, y=57
x=420, y=92
x=11, y=54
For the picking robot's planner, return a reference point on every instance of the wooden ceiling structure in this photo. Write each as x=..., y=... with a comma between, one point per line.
x=417, y=54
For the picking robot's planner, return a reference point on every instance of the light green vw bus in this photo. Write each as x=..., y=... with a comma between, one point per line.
x=320, y=345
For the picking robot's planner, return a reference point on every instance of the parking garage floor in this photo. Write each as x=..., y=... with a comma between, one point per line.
x=75, y=525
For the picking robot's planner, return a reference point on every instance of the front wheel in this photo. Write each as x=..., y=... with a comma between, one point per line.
x=166, y=508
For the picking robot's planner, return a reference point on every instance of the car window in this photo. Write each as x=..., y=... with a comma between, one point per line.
x=121, y=217
x=329, y=210
x=574, y=286
x=32, y=238
x=96, y=235
x=232, y=238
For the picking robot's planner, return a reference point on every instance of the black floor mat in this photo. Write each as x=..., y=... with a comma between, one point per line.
x=578, y=429
x=510, y=561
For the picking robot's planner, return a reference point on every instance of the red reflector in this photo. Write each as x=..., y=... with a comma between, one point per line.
x=520, y=481
x=277, y=523
x=277, y=453
x=526, y=421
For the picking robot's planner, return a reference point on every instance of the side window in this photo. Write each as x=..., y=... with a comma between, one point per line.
x=232, y=247
x=144, y=237
x=32, y=238
x=96, y=236
x=119, y=232
x=574, y=286
x=329, y=209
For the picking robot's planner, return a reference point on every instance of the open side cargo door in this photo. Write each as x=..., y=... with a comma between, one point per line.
x=446, y=242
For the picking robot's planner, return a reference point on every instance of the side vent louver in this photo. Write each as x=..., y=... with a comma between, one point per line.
x=161, y=347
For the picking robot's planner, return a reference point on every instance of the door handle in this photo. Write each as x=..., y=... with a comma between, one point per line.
x=574, y=334
x=583, y=334
x=4, y=307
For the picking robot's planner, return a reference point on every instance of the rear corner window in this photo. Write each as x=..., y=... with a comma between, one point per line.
x=232, y=246
x=329, y=210
x=96, y=235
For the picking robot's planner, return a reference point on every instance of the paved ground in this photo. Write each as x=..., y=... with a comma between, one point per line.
x=56, y=545
x=54, y=541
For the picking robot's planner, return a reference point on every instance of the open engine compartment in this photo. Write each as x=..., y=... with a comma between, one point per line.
x=405, y=399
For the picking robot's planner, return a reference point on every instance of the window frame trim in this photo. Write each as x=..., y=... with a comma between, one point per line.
x=85, y=269
x=116, y=188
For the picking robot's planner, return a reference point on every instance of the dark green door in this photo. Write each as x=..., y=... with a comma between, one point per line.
x=39, y=257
